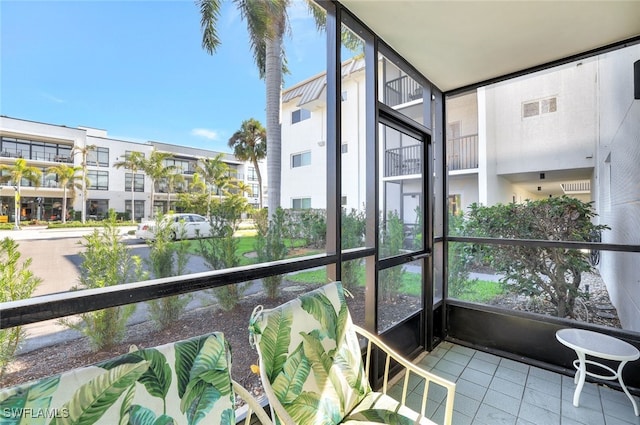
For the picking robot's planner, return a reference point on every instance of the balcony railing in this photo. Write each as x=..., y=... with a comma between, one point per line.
x=402, y=90
x=403, y=161
x=462, y=153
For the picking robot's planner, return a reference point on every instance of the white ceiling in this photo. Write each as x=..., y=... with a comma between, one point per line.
x=457, y=43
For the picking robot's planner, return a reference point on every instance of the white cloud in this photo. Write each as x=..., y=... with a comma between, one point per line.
x=206, y=133
x=53, y=98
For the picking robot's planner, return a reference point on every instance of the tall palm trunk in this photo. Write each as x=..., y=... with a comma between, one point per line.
x=133, y=197
x=259, y=176
x=16, y=205
x=64, y=204
x=273, y=82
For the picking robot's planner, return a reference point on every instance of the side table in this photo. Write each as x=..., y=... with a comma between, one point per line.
x=600, y=346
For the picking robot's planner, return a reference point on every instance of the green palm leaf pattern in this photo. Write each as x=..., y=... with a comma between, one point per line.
x=319, y=306
x=274, y=343
x=198, y=400
x=125, y=407
x=288, y=384
x=92, y=399
x=209, y=380
x=343, y=316
x=212, y=356
x=228, y=417
x=186, y=352
x=157, y=379
x=143, y=416
x=311, y=408
x=37, y=396
x=347, y=364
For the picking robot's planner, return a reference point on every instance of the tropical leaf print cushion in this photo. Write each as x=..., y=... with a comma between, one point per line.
x=310, y=356
x=186, y=382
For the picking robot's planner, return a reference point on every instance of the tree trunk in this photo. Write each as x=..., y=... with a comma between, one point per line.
x=133, y=204
x=255, y=165
x=64, y=205
x=273, y=82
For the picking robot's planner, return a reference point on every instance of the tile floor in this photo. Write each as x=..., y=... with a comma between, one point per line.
x=491, y=390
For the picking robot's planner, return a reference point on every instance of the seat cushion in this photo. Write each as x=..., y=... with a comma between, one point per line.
x=186, y=382
x=311, y=356
x=378, y=408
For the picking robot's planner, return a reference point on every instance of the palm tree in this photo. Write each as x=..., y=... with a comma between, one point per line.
x=83, y=151
x=214, y=173
x=156, y=170
x=68, y=179
x=18, y=171
x=172, y=179
x=266, y=23
x=133, y=161
x=250, y=144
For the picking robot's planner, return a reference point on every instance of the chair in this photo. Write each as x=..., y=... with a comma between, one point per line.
x=313, y=372
x=186, y=382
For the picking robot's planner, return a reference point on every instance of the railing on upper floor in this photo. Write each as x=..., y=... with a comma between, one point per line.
x=402, y=90
x=462, y=153
x=403, y=161
x=36, y=156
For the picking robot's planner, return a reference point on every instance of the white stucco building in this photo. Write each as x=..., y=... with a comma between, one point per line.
x=571, y=130
x=44, y=145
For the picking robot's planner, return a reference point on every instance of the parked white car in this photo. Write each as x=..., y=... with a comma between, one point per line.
x=183, y=226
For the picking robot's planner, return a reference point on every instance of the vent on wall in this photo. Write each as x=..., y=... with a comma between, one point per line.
x=575, y=188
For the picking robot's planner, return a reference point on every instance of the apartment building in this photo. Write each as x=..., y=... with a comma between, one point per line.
x=44, y=145
x=569, y=130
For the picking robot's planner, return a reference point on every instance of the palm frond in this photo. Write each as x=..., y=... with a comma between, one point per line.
x=209, y=14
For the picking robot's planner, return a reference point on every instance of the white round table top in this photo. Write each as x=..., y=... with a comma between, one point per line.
x=597, y=344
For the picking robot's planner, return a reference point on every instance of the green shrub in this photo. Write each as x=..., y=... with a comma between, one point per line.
x=270, y=246
x=16, y=283
x=392, y=241
x=554, y=273
x=353, y=230
x=106, y=261
x=166, y=259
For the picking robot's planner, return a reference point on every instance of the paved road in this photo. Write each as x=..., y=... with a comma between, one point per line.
x=55, y=259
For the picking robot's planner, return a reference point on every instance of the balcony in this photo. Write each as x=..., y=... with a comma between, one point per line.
x=403, y=161
x=402, y=90
x=462, y=153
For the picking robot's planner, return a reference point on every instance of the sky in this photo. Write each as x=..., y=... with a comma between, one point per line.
x=136, y=68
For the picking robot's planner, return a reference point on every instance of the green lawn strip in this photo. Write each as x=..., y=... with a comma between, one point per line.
x=482, y=291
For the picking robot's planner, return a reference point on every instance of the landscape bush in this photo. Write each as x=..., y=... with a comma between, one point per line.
x=167, y=258
x=106, y=261
x=16, y=282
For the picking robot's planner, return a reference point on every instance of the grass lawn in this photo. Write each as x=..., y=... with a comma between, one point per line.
x=411, y=282
x=246, y=245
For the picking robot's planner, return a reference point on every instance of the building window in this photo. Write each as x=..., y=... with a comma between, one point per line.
x=138, y=182
x=300, y=159
x=538, y=107
x=343, y=95
x=139, y=205
x=182, y=166
x=98, y=156
x=300, y=115
x=255, y=190
x=455, y=204
x=343, y=200
x=251, y=174
x=301, y=203
x=98, y=180
x=344, y=148
x=97, y=209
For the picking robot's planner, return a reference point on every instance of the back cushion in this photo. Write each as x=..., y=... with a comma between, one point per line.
x=183, y=383
x=311, y=356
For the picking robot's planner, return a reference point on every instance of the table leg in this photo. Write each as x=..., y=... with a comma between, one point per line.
x=624, y=388
x=581, y=372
